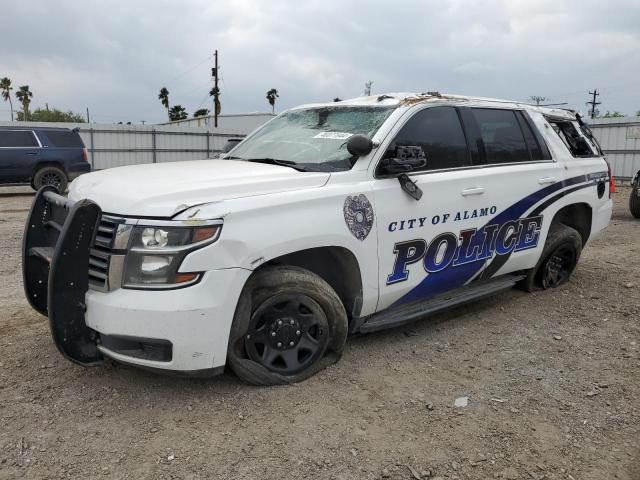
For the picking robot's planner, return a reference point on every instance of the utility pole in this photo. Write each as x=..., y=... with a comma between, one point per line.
x=216, y=92
x=88, y=120
x=593, y=102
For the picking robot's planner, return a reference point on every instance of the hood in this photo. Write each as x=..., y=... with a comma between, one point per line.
x=164, y=189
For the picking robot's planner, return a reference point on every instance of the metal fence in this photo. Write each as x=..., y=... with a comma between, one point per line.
x=117, y=145
x=112, y=148
x=620, y=140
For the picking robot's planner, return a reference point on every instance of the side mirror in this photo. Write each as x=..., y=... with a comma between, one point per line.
x=359, y=145
x=406, y=159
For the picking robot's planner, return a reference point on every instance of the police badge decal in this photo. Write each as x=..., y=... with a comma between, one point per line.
x=358, y=215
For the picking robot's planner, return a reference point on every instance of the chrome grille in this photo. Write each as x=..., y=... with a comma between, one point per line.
x=100, y=255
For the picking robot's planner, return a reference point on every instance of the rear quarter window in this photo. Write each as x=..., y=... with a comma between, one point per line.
x=573, y=137
x=17, y=139
x=64, y=139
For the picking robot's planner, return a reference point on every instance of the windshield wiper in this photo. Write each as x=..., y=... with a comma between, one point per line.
x=275, y=161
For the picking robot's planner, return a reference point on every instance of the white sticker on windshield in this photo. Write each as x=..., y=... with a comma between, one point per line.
x=334, y=135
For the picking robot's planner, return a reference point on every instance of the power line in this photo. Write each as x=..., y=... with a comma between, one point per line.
x=191, y=69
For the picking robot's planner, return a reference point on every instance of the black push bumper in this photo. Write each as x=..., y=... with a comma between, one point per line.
x=55, y=263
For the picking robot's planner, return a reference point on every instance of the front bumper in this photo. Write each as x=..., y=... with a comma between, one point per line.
x=184, y=330
x=195, y=320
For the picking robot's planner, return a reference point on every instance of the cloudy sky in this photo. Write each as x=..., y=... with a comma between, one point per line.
x=114, y=56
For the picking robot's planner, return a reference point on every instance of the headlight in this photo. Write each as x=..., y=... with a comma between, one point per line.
x=156, y=252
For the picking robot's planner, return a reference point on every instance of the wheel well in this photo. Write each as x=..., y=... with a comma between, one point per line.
x=335, y=265
x=48, y=163
x=577, y=216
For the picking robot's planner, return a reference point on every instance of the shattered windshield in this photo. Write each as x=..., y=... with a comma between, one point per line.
x=313, y=139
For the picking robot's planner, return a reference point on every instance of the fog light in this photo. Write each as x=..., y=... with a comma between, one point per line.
x=154, y=264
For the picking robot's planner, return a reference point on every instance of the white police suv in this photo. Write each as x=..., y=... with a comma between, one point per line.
x=330, y=219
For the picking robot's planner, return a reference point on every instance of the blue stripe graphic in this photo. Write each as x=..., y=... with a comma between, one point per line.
x=454, y=277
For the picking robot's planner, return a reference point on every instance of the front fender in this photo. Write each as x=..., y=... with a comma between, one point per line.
x=256, y=231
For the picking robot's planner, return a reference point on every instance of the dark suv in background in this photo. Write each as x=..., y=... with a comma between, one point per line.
x=41, y=156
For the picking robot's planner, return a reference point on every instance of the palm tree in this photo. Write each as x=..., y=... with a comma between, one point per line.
x=164, y=98
x=177, y=112
x=5, y=88
x=201, y=112
x=271, y=96
x=24, y=97
x=215, y=93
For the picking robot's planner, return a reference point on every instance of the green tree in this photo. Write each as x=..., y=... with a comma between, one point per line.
x=337, y=99
x=202, y=112
x=638, y=113
x=177, y=112
x=163, y=96
x=615, y=114
x=24, y=96
x=271, y=97
x=5, y=91
x=52, y=115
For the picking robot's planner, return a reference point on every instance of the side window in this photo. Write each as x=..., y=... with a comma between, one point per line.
x=64, y=139
x=17, y=138
x=438, y=132
x=573, y=140
x=501, y=135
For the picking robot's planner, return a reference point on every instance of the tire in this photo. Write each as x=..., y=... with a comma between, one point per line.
x=288, y=325
x=634, y=200
x=50, y=176
x=561, y=253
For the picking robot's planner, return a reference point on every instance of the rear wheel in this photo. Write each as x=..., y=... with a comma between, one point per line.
x=634, y=199
x=52, y=176
x=559, y=259
x=288, y=325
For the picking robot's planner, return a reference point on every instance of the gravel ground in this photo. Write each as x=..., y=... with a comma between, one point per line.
x=552, y=379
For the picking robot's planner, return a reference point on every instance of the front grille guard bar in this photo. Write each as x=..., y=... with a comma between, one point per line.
x=55, y=262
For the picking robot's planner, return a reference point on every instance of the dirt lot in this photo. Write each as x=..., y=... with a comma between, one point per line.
x=553, y=380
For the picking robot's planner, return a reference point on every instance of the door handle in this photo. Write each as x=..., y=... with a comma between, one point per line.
x=545, y=180
x=472, y=191
x=32, y=153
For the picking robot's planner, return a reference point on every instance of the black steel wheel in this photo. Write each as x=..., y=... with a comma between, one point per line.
x=289, y=324
x=558, y=260
x=559, y=267
x=287, y=333
x=50, y=176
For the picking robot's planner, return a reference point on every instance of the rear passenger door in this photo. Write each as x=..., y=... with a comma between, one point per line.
x=19, y=152
x=518, y=173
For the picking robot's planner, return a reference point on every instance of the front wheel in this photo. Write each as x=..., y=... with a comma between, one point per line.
x=288, y=325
